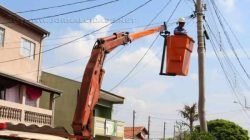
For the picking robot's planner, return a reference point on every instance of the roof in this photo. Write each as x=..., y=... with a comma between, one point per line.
x=111, y=97
x=6, y=80
x=128, y=131
x=20, y=129
x=16, y=18
x=105, y=95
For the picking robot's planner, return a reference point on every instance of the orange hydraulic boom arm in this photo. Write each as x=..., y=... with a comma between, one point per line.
x=92, y=78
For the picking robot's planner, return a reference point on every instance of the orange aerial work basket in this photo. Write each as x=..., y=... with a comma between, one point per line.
x=178, y=52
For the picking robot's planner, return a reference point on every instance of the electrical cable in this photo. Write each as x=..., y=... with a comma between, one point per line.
x=150, y=23
x=235, y=71
x=73, y=36
x=126, y=76
x=61, y=14
x=130, y=72
x=229, y=41
x=76, y=39
x=233, y=33
x=158, y=14
x=228, y=61
x=174, y=10
x=55, y=66
x=226, y=74
x=142, y=67
x=53, y=7
x=75, y=11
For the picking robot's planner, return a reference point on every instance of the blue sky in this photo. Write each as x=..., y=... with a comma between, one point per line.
x=145, y=91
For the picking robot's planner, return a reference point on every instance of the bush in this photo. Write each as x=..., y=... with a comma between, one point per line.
x=201, y=136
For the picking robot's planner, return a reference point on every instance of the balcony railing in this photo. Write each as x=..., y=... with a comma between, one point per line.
x=20, y=113
x=108, y=128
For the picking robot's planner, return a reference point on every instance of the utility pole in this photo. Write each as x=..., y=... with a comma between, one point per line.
x=133, y=124
x=174, y=132
x=201, y=67
x=164, y=131
x=148, y=126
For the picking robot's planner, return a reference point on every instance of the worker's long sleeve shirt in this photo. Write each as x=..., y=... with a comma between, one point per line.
x=180, y=31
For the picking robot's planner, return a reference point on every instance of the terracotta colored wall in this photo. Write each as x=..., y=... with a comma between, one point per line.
x=11, y=50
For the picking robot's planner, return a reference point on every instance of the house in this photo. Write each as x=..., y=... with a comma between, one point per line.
x=104, y=127
x=21, y=40
x=20, y=91
x=140, y=133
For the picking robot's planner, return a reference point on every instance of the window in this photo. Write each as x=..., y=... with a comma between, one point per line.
x=2, y=93
x=13, y=94
x=32, y=95
x=27, y=48
x=2, y=37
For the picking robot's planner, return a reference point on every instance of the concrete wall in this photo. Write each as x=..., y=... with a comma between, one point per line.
x=65, y=105
x=11, y=50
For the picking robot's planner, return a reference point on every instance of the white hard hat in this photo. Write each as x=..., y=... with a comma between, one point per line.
x=182, y=19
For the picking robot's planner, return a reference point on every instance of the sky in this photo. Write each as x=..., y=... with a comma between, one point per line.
x=145, y=91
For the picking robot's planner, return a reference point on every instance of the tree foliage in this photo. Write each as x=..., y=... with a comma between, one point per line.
x=226, y=130
x=200, y=136
x=190, y=114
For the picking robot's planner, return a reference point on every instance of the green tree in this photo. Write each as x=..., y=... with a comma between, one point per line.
x=199, y=136
x=190, y=114
x=226, y=130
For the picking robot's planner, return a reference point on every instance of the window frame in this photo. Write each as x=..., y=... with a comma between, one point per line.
x=2, y=94
x=30, y=51
x=2, y=44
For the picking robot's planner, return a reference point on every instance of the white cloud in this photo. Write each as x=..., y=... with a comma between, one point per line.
x=96, y=23
x=227, y=5
x=231, y=9
x=128, y=57
x=82, y=47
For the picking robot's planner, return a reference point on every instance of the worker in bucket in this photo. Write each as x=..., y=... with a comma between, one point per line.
x=179, y=30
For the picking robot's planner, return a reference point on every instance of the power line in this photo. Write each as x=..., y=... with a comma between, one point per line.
x=73, y=36
x=118, y=52
x=66, y=13
x=55, y=66
x=135, y=66
x=226, y=74
x=227, y=59
x=52, y=7
x=76, y=39
x=233, y=33
x=174, y=10
x=150, y=23
x=158, y=14
x=167, y=119
x=75, y=11
x=143, y=66
x=230, y=64
x=228, y=39
x=127, y=75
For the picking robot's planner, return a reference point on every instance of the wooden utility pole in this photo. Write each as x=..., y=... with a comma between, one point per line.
x=164, y=131
x=201, y=61
x=174, y=132
x=148, y=127
x=133, y=124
